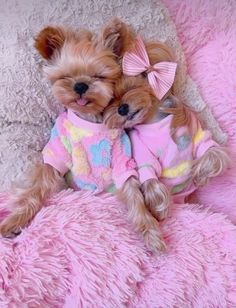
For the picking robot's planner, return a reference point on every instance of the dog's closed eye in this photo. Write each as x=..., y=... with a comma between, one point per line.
x=99, y=77
x=65, y=77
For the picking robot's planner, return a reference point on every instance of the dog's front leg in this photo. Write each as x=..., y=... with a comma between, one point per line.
x=157, y=198
x=139, y=215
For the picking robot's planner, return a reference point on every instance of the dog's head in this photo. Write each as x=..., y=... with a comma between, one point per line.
x=134, y=100
x=83, y=67
x=132, y=104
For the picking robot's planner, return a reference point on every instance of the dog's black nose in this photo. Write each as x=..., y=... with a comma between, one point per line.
x=123, y=110
x=80, y=88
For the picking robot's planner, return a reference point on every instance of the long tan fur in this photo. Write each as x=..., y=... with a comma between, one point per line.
x=211, y=164
x=157, y=198
x=139, y=215
x=41, y=181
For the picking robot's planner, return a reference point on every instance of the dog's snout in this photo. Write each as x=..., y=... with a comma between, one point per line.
x=80, y=87
x=123, y=110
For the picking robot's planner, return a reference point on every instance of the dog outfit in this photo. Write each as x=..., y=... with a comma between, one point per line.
x=91, y=156
x=158, y=156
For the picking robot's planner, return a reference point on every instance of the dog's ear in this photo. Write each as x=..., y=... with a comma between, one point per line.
x=49, y=40
x=117, y=36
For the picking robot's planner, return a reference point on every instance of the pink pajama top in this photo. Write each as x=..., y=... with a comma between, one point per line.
x=91, y=156
x=159, y=157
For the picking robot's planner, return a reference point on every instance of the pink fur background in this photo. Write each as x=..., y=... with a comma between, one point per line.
x=81, y=252
x=207, y=32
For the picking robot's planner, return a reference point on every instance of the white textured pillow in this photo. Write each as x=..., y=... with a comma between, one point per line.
x=26, y=107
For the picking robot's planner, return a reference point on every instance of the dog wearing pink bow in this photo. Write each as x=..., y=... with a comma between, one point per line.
x=174, y=154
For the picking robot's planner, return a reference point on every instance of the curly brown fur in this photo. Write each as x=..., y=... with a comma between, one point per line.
x=211, y=164
x=139, y=215
x=157, y=198
x=40, y=182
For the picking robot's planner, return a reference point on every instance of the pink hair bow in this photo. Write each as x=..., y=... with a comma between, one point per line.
x=160, y=75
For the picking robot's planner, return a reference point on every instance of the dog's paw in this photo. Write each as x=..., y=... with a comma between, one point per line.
x=213, y=162
x=154, y=241
x=157, y=198
x=159, y=210
x=11, y=226
x=163, y=213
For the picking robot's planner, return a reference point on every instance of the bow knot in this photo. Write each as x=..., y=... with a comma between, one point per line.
x=160, y=75
x=150, y=69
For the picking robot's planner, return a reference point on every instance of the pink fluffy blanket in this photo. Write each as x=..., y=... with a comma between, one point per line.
x=81, y=252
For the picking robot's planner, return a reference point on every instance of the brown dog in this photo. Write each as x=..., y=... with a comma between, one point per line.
x=82, y=68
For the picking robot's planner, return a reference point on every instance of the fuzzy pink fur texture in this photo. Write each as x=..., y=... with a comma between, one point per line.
x=81, y=252
x=206, y=30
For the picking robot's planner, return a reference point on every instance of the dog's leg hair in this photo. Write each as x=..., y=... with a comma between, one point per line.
x=211, y=164
x=139, y=215
x=41, y=181
x=157, y=198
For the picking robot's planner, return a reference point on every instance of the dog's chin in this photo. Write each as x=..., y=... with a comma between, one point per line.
x=125, y=124
x=88, y=108
x=129, y=124
x=135, y=118
x=117, y=121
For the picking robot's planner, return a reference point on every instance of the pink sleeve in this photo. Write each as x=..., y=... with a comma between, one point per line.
x=123, y=165
x=148, y=165
x=57, y=151
x=202, y=141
